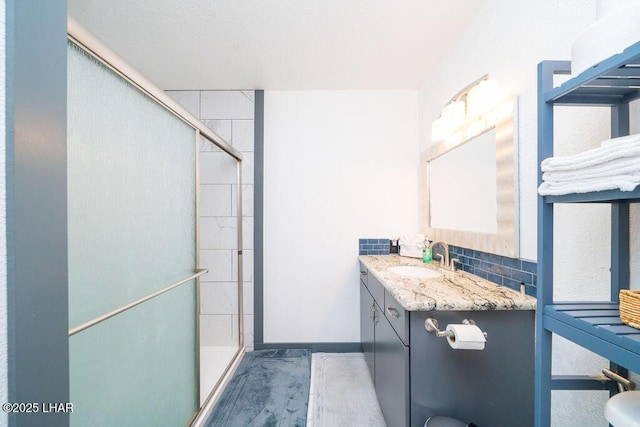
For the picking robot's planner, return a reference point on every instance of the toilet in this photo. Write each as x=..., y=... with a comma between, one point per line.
x=444, y=422
x=622, y=410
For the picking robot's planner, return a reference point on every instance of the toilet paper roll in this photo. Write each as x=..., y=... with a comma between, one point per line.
x=466, y=337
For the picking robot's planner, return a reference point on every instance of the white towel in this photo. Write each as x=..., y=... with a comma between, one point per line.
x=411, y=245
x=613, y=165
x=617, y=148
x=622, y=166
x=412, y=239
x=621, y=140
x=622, y=182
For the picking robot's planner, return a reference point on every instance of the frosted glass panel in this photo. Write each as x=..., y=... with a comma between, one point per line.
x=131, y=174
x=137, y=368
x=132, y=231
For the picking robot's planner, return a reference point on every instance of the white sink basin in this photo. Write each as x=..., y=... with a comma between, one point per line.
x=412, y=271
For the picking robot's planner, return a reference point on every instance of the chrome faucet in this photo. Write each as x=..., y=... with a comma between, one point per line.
x=447, y=262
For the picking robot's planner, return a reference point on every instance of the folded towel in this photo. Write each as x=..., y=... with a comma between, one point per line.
x=613, y=165
x=411, y=245
x=409, y=250
x=622, y=182
x=617, y=148
x=622, y=166
x=621, y=140
x=412, y=239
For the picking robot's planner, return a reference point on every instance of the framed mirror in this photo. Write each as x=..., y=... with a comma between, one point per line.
x=470, y=189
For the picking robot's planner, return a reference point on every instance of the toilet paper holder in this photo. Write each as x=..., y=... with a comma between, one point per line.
x=431, y=325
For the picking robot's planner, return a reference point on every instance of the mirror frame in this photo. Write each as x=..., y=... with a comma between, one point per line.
x=506, y=241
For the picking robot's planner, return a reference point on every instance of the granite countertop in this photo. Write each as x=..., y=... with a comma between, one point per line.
x=454, y=291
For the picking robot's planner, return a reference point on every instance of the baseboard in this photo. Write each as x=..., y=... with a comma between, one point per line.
x=316, y=347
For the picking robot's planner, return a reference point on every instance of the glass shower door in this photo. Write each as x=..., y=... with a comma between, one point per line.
x=132, y=232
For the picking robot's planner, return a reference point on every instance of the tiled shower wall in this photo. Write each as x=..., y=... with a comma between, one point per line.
x=231, y=115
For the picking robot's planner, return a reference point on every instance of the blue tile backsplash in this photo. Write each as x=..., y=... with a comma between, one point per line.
x=374, y=246
x=509, y=272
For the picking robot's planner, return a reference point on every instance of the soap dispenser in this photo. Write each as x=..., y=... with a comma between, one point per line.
x=427, y=256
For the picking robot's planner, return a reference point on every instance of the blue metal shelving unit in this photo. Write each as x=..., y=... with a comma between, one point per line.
x=595, y=326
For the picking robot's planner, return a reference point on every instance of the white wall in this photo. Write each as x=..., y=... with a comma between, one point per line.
x=507, y=40
x=338, y=166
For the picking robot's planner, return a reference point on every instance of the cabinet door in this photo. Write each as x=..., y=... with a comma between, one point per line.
x=367, y=322
x=392, y=375
x=376, y=289
x=397, y=316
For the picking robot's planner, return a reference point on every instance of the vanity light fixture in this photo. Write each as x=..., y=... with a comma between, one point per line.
x=471, y=112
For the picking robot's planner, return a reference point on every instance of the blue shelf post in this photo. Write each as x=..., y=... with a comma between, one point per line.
x=542, y=408
x=619, y=215
x=620, y=257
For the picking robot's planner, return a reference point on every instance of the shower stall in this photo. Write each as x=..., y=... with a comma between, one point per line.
x=135, y=233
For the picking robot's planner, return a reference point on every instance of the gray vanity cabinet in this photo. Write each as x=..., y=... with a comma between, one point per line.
x=392, y=374
x=368, y=314
x=492, y=387
x=385, y=352
x=418, y=375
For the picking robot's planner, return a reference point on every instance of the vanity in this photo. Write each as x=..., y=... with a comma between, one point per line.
x=416, y=373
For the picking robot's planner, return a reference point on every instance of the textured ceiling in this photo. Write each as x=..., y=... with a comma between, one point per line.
x=278, y=44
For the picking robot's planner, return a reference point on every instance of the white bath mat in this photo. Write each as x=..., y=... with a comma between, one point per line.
x=342, y=392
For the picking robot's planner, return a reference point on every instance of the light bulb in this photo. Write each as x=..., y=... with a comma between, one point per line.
x=437, y=130
x=453, y=116
x=475, y=127
x=482, y=98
